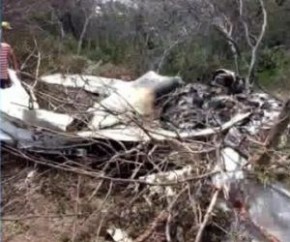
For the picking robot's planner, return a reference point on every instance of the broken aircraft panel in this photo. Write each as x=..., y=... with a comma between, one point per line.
x=120, y=113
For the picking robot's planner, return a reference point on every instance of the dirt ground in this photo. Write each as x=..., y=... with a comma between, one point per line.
x=41, y=204
x=45, y=208
x=56, y=206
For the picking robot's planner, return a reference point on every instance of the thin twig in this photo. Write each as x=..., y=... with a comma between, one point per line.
x=274, y=136
x=113, y=179
x=43, y=216
x=77, y=202
x=169, y=218
x=207, y=215
x=162, y=217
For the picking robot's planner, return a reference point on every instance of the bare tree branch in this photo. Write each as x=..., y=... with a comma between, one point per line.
x=84, y=31
x=245, y=24
x=227, y=32
x=207, y=215
x=254, y=47
x=274, y=136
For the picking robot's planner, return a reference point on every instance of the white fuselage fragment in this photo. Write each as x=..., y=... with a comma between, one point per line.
x=123, y=98
x=230, y=169
x=15, y=106
x=93, y=84
x=19, y=124
x=120, y=107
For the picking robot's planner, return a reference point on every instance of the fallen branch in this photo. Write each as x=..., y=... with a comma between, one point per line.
x=99, y=175
x=161, y=218
x=12, y=218
x=125, y=133
x=207, y=216
x=274, y=136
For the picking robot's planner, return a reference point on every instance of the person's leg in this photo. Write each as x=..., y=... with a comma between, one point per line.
x=4, y=83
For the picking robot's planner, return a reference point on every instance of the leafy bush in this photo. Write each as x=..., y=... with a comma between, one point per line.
x=274, y=68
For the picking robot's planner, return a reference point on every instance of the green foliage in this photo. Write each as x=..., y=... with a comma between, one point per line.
x=198, y=58
x=278, y=32
x=194, y=58
x=46, y=21
x=274, y=68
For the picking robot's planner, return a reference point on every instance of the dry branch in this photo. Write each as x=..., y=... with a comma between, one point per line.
x=274, y=136
x=207, y=216
x=125, y=133
x=161, y=218
x=100, y=175
x=228, y=34
x=254, y=46
x=84, y=31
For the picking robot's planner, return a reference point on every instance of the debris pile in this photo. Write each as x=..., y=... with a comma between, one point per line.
x=188, y=148
x=198, y=106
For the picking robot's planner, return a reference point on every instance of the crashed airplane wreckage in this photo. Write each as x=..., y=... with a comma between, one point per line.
x=115, y=117
x=161, y=108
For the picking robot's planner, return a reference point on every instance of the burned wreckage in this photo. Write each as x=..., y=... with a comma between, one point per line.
x=159, y=108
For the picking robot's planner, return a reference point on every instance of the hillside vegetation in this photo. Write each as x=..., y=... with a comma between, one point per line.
x=177, y=37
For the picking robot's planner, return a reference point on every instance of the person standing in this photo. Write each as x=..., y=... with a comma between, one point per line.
x=7, y=58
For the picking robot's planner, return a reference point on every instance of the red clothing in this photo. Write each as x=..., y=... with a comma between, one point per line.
x=5, y=51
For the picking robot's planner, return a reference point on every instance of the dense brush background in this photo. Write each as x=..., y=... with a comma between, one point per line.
x=126, y=38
